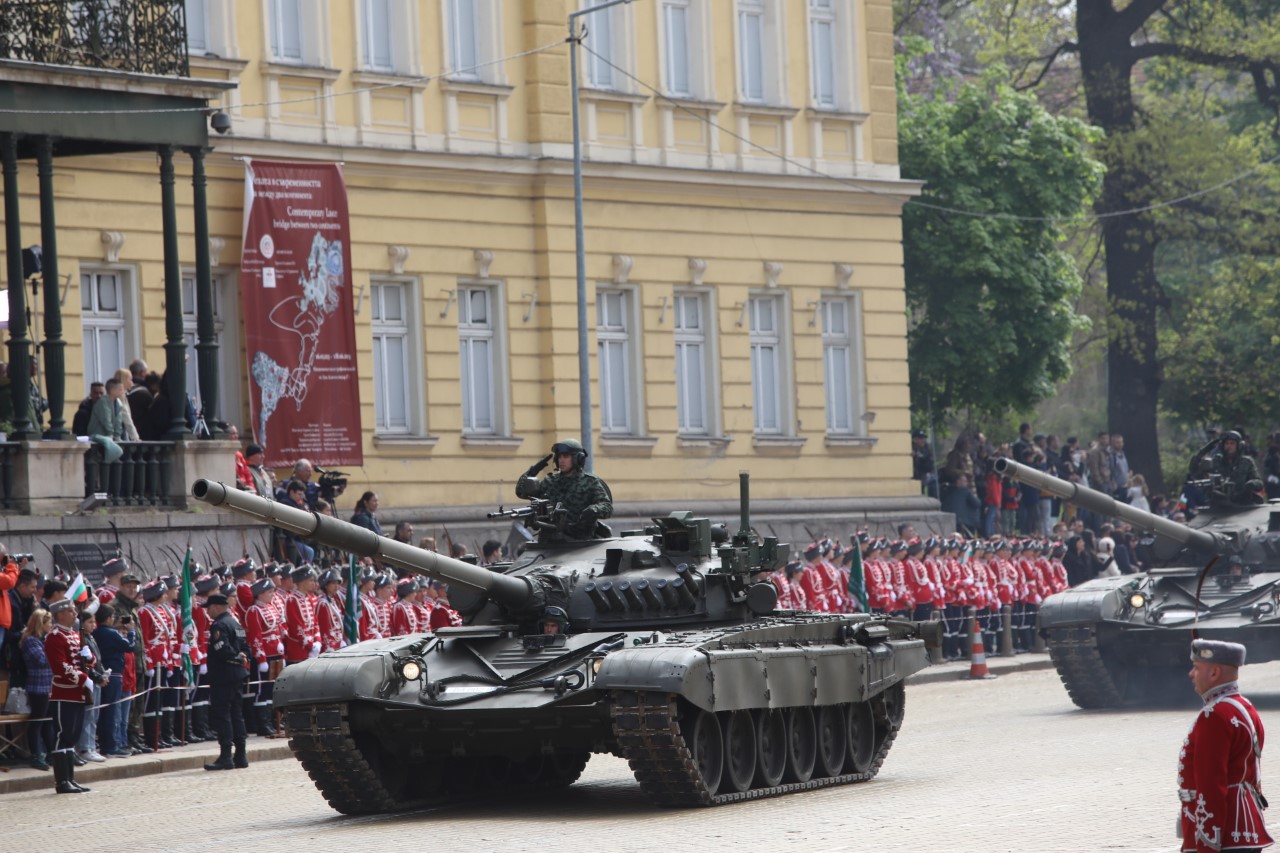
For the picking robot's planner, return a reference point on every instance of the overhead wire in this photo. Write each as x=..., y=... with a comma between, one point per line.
x=871, y=188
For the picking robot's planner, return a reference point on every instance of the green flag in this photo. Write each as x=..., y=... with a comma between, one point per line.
x=351, y=615
x=188, y=623
x=857, y=583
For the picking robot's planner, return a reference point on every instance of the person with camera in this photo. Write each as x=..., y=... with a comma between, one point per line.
x=8, y=580
x=584, y=496
x=115, y=642
x=303, y=470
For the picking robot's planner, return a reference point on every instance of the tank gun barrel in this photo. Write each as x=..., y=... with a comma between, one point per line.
x=511, y=592
x=1104, y=504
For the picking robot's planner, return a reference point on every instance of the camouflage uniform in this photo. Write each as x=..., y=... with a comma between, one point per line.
x=577, y=491
x=1239, y=474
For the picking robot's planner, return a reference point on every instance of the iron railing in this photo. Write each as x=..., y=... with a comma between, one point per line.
x=139, y=478
x=142, y=36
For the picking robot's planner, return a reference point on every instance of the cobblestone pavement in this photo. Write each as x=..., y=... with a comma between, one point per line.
x=1008, y=764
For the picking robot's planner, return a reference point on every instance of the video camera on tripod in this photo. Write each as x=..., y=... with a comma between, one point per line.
x=332, y=483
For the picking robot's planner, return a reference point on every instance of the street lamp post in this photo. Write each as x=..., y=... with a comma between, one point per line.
x=584, y=360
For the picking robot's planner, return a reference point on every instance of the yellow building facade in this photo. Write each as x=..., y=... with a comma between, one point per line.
x=743, y=237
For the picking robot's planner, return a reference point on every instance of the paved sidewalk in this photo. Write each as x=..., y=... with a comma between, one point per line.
x=20, y=777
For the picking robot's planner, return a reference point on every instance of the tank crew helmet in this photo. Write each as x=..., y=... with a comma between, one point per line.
x=1231, y=435
x=303, y=573
x=243, y=568
x=153, y=590
x=329, y=576
x=206, y=584
x=406, y=588
x=263, y=586
x=115, y=566
x=573, y=448
x=555, y=614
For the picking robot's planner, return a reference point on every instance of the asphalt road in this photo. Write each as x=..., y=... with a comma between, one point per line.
x=1008, y=764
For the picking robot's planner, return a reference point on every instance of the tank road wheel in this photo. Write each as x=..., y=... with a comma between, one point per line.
x=705, y=740
x=739, y=751
x=802, y=744
x=832, y=731
x=888, y=708
x=559, y=770
x=771, y=742
x=861, y=738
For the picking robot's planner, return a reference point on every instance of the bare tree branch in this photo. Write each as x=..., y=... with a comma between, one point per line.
x=1065, y=47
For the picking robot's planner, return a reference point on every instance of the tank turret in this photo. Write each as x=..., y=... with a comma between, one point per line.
x=656, y=644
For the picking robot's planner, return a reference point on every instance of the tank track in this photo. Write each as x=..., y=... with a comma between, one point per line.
x=646, y=726
x=1075, y=654
x=320, y=737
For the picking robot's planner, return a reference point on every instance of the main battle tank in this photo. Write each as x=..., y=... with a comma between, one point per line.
x=1124, y=640
x=673, y=659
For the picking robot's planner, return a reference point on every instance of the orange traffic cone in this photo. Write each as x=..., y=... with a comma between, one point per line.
x=977, y=654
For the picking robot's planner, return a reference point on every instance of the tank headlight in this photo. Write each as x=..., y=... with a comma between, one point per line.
x=595, y=666
x=1137, y=600
x=409, y=669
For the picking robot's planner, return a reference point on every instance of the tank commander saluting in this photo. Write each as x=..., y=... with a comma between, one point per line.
x=1241, y=483
x=584, y=496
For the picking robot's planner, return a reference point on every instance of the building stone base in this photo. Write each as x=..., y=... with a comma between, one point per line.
x=47, y=476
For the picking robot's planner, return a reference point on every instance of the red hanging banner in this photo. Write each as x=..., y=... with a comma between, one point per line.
x=295, y=282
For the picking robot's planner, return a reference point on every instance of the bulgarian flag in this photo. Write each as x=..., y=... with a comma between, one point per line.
x=188, y=622
x=858, y=583
x=351, y=614
x=79, y=590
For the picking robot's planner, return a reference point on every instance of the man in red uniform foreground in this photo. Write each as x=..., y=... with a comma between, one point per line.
x=1218, y=768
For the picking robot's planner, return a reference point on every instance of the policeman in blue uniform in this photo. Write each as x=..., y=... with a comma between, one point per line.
x=228, y=668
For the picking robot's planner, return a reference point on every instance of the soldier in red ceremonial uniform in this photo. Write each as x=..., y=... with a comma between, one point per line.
x=329, y=612
x=813, y=580
x=112, y=570
x=903, y=600
x=156, y=627
x=404, y=613
x=375, y=616
x=301, y=636
x=919, y=582
x=1219, y=777
x=442, y=615
x=266, y=644
x=425, y=604
x=244, y=572
x=879, y=578
x=1060, y=579
x=70, y=692
x=279, y=574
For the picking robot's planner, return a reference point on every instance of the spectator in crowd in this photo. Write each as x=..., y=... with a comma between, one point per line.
x=1098, y=462
x=961, y=500
x=923, y=467
x=244, y=477
x=992, y=500
x=126, y=381
x=22, y=603
x=8, y=580
x=1138, y=492
x=54, y=591
x=1119, y=467
x=264, y=481
x=457, y=550
x=114, y=643
x=490, y=552
x=366, y=513
x=427, y=543
x=1079, y=559
x=958, y=463
x=303, y=471
x=106, y=421
x=293, y=548
x=139, y=395
x=160, y=415
x=1021, y=449
x=80, y=421
x=404, y=532
x=39, y=681
x=91, y=663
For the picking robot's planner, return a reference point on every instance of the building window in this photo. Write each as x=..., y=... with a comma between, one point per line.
x=616, y=347
x=375, y=35
x=229, y=371
x=464, y=46
x=694, y=407
x=768, y=382
x=480, y=332
x=676, y=28
x=606, y=38
x=198, y=26
x=285, y=25
x=395, y=393
x=842, y=365
x=760, y=52
x=103, y=315
x=209, y=28
x=473, y=30
x=822, y=61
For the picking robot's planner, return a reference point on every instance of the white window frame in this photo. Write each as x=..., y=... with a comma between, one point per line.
x=704, y=336
x=367, y=27
x=620, y=340
x=774, y=346
x=312, y=32
x=773, y=58
x=215, y=21
x=838, y=16
x=486, y=16
x=408, y=329
x=615, y=25
x=225, y=308
x=845, y=400
x=494, y=331
x=697, y=70
x=124, y=321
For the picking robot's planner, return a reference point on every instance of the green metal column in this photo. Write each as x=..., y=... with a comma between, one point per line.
x=206, y=341
x=55, y=356
x=19, y=343
x=175, y=347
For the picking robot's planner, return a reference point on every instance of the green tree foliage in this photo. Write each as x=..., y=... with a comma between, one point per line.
x=990, y=295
